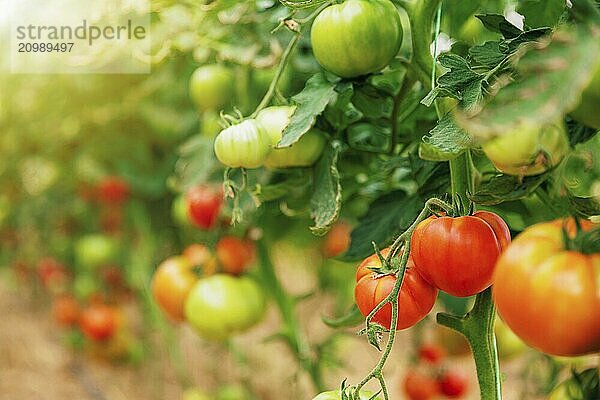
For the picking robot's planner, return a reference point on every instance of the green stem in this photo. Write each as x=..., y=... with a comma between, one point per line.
x=282, y=63
x=292, y=333
x=478, y=327
x=461, y=178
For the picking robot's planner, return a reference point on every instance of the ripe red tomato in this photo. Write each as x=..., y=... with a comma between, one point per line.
x=113, y=190
x=53, y=274
x=65, y=310
x=337, y=240
x=458, y=255
x=419, y=386
x=452, y=384
x=235, y=254
x=548, y=294
x=416, y=297
x=171, y=285
x=203, y=206
x=98, y=321
x=432, y=353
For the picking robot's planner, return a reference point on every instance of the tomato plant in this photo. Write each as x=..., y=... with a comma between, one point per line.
x=465, y=250
x=204, y=205
x=416, y=298
x=343, y=35
x=221, y=305
x=235, y=254
x=172, y=282
x=245, y=145
x=555, y=315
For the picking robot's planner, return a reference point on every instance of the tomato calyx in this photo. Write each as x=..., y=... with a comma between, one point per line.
x=584, y=240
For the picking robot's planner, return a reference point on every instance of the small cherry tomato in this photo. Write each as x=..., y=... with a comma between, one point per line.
x=235, y=254
x=98, y=322
x=337, y=240
x=419, y=386
x=113, y=190
x=453, y=385
x=432, y=353
x=65, y=310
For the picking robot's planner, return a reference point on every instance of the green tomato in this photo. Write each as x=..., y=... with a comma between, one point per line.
x=222, y=305
x=179, y=211
x=356, y=37
x=509, y=344
x=92, y=251
x=304, y=153
x=194, y=394
x=210, y=124
x=587, y=110
x=528, y=151
x=243, y=145
x=211, y=87
x=337, y=395
x=274, y=120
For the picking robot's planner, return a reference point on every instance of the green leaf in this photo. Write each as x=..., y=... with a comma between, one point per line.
x=541, y=12
x=503, y=188
x=497, y=23
x=458, y=83
x=301, y=4
x=279, y=190
x=374, y=136
x=387, y=216
x=310, y=103
x=326, y=200
x=444, y=142
x=552, y=75
x=372, y=102
x=196, y=163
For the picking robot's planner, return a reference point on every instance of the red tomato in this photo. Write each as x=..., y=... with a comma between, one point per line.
x=53, y=274
x=113, y=190
x=171, y=285
x=337, y=240
x=416, y=297
x=549, y=295
x=419, y=386
x=432, y=353
x=235, y=254
x=98, y=321
x=452, y=384
x=203, y=206
x=65, y=310
x=458, y=255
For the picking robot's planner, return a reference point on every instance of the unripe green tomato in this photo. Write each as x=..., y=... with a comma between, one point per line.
x=509, y=344
x=274, y=120
x=92, y=251
x=587, y=110
x=223, y=305
x=528, y=151
x=179, y=211
x=356, y=37
x=243, y=145
x=211, y=87
x=194, y=394
x=337, y=395
x=304, y=153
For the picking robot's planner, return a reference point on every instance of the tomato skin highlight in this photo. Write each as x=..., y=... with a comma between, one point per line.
x=416, y=297
x=204, y=205
x=458, y=255
x=171, y=284
x=356, y=37
x=244, y=145
x=548, y=295
x=235, y=254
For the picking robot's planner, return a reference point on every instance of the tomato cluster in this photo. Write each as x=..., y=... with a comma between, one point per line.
x=216, y=304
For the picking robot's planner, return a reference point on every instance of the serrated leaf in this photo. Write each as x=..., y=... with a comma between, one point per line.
x=497, y=23
x=459, y=82
x=301, y=4
x=310, y=103
x=279, y=190
x=541, y=12
x=352, y=318
x=552, y=74
x=445, y=141
x=326, y=200
x=373, y=136
x=506, y=188
x=488, y=54
x=372, y=102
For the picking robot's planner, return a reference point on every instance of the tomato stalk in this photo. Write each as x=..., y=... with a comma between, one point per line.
x=292, y=332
